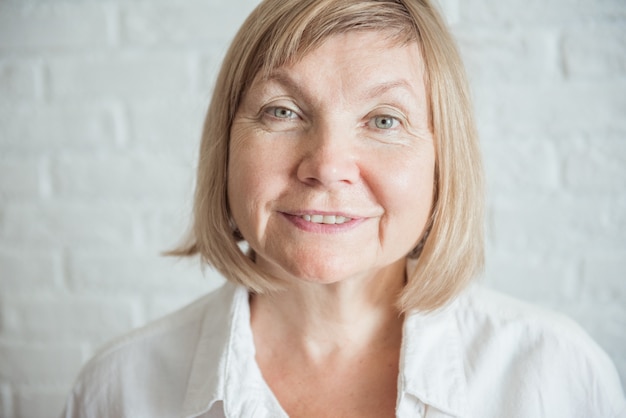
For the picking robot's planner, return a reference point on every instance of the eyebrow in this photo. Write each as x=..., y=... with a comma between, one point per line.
x=382, y=88
x=282, y=77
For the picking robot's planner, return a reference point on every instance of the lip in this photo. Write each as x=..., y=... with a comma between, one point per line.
x=296, y=219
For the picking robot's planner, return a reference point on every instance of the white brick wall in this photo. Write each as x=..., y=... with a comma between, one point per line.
x=101, y=106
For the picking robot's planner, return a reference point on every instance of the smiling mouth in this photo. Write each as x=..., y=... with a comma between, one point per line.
x=326, y=219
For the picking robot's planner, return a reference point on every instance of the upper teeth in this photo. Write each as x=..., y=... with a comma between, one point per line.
x=326, y=219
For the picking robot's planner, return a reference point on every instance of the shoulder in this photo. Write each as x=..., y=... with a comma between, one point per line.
x=150, y=366
x=179, y=329
x=536, y=357
x=482, y=312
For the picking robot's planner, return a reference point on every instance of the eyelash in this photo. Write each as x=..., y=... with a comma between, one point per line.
x=274, y=111
x=282, y=113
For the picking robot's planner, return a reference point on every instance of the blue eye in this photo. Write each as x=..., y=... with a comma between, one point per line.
x=385, y=122
x=282, y=113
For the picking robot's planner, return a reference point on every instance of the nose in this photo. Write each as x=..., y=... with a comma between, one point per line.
x=329, y=160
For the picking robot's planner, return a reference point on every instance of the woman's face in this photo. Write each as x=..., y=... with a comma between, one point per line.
x=331, y=165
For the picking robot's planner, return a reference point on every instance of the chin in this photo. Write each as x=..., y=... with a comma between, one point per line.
x=313, y=272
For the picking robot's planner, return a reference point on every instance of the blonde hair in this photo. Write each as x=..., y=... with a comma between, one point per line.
x=450, y=252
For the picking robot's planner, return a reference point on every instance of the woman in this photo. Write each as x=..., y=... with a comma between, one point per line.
x=339, y=192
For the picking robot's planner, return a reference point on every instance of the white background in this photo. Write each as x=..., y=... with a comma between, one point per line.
x=101, y=105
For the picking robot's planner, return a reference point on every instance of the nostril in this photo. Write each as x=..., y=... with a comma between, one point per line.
x=328, y=168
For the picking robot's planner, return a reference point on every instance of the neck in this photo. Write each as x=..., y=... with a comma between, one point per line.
x=320, y=320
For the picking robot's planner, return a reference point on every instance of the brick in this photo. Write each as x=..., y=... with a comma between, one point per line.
x=6, y=400
x=36, y=363
x=523, y=166
x=42, y=129
x=595, y=167
x=44, y=319
x=164, y=23
x=208, y=66
x=449, y=10
x=174, y=127
x=23, y=271
x=133, y=273
x=604, y=278
x=532, y=277
x=37, y=25
x=53, y=225
x=164, y=228
x=21, y=178
x=617, y=215
x=538, y=12
x=127, y=75
x=492, y=57
x=19, y=81
x=137, y=177
x=594, y=51
x=40, y=402
x=552, y=112
x=149, y=23
x=613, y=224
x=163, y=304
x=563, y=225
x=606, y=326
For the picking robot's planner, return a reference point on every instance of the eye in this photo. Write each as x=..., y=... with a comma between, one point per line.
x=281, y=113
x=385, y=122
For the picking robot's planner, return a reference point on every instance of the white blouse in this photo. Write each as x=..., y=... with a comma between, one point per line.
x=483, y=355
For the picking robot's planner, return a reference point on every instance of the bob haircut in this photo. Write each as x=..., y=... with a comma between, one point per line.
x=278, y=32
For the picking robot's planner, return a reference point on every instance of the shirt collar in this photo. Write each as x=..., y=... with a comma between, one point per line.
x=431, y=360
x=224, y=363
x=207, y=375
x=431, y=367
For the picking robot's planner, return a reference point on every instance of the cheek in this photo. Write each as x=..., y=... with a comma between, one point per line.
x=254, y=181
x=405, y=188
x=244, y=174
x=243, y=186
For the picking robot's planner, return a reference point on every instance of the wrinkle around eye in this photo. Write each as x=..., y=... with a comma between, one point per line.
x=398, y=125
x=403, y=134
x=269, y=119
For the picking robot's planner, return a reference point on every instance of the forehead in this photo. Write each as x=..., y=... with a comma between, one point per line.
x=364, y=38
x=352, y=60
